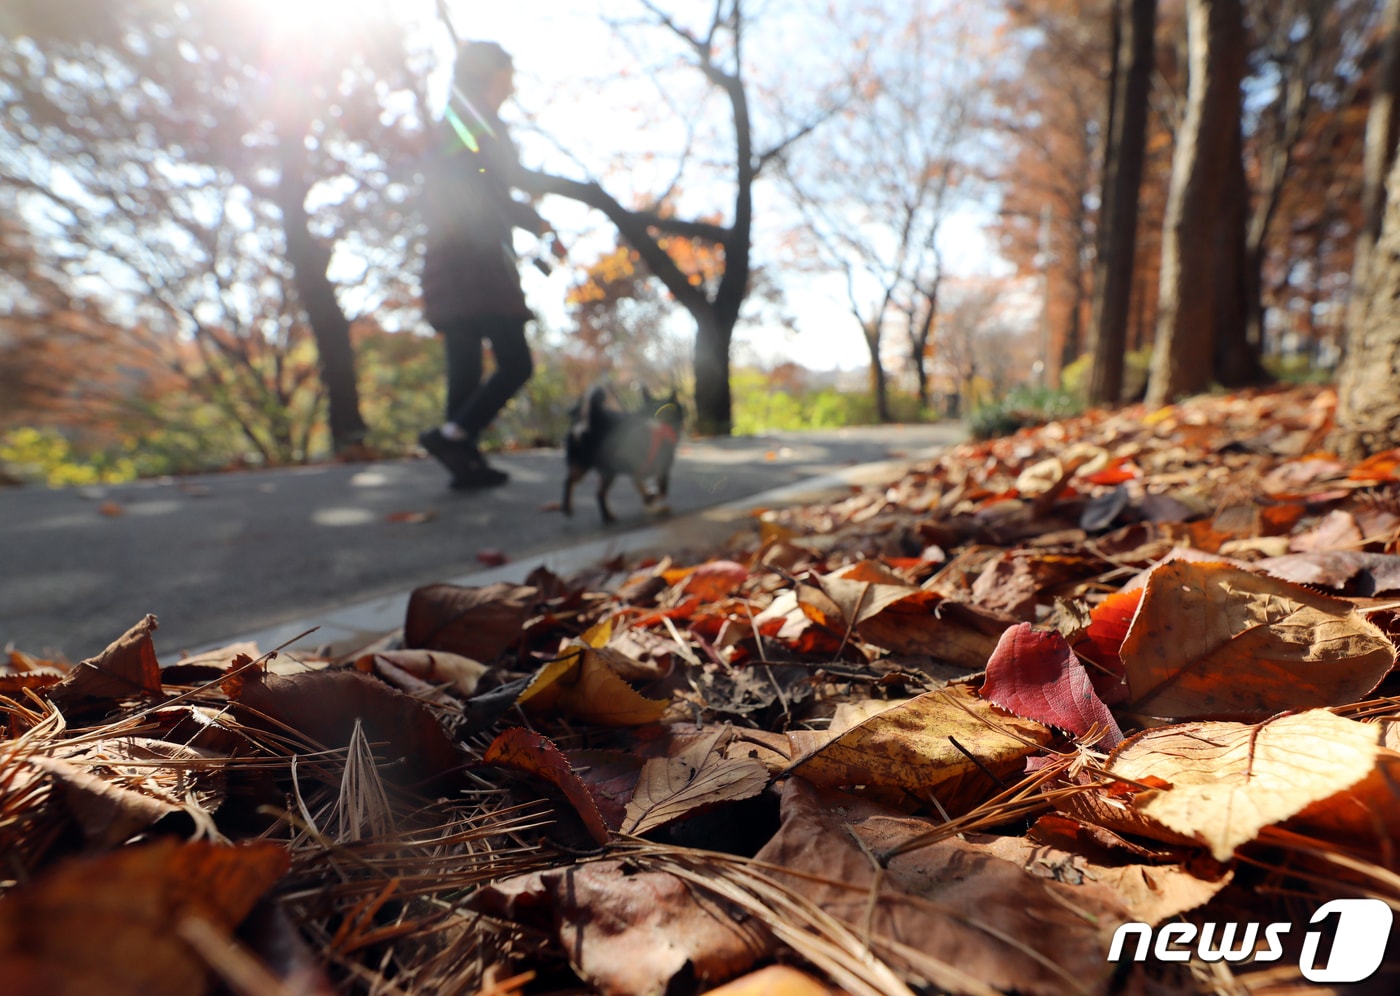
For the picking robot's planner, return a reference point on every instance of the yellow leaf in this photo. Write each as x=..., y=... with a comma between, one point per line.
x=581, y=685
x=915, y=745
x=599, y=634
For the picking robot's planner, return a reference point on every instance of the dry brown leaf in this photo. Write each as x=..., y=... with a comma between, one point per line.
x=1227, y=781
x=436, y=667
x=964, y=920
x=1210, y=640
x=701, y=776
x=1353, y=571
x=116, y=788
x=630, y=932
x=1337, y=531
x=325, y=705
x=110, y=924
x=479, y=623
x=127, y=667
x=915, y=746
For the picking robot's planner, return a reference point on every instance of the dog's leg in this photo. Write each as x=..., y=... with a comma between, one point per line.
x=604, y=482
x=574, y=475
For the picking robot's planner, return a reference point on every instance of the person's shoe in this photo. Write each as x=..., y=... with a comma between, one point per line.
x=481, y=476
x=459, y=456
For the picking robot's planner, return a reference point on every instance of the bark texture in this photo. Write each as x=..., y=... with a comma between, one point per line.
x=1198, y=277
x=1368, y=392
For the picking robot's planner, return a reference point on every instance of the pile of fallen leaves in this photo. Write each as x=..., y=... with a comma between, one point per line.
x=945, y=735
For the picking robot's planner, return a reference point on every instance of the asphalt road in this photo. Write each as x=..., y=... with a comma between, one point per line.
x=215, y=556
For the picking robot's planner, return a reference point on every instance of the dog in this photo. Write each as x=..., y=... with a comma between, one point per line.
x=639, y=444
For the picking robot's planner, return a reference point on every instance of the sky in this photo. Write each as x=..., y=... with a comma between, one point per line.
x=569, y=107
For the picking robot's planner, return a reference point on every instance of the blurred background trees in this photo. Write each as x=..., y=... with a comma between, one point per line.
x=210, y=240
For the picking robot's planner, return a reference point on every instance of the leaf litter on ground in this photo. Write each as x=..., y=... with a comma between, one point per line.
x=945, y=734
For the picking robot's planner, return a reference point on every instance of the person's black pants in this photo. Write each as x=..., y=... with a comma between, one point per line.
x=471, y=403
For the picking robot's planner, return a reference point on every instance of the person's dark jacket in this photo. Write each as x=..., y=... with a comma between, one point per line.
x=469, y=269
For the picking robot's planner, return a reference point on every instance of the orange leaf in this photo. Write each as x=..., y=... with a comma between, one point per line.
x=529, y=752
x=1381, y=467
x=1213, y=640
x=112, y=923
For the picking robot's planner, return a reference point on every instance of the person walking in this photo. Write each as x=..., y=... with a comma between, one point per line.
x=471, y=284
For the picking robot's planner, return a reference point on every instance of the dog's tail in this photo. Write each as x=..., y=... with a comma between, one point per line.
x=585, y=414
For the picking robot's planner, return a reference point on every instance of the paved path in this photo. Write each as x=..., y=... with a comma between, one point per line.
x=218, y=557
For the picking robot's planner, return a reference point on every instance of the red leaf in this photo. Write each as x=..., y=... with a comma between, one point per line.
x=529, y=752
x=716, y=579
x=1108, y=627
x=1120, y=470
x=1037, y=676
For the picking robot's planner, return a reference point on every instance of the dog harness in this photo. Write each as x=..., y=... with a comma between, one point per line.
x=661, y=435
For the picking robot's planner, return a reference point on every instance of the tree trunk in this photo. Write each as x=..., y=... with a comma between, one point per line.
x=879, y=381
x=309, y=259
x=1382, y=125
x=1123, y=166
x=1196, y=235
x=1368, y=383
x=712, y=397
x=1236, y=359
x=1368, y=396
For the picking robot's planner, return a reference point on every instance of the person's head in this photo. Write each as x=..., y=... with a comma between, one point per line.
x=484, y=73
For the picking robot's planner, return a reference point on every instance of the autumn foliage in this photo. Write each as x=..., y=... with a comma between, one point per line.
x=947, y=733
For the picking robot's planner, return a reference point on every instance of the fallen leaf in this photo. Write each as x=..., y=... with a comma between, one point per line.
x=964, y=920
x=436, y=667
x=323, y=707
x=581, y=685
x=111, y=509
x=115, y=788
x=111, y=923
x=1353, y=571
x=1230, y=780
x=127, y=667
x=1337, y=531
x=925, y=743
x=1379, y=467
x=631, y=931
x=411, y=518
x=701, y=776
x=1037, y=676
x=480, y=623
x=775, y=980
x=529, y=752
x=1213, y=640
x=492, y=557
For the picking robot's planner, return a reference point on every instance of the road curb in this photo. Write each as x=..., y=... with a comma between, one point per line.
x=360, y=623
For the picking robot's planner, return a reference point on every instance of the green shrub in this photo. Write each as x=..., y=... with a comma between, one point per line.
x=1021, y=407
x=1299, y=369
x=1137, y=365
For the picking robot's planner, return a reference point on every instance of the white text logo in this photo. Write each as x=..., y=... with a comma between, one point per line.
x=1358, y=943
